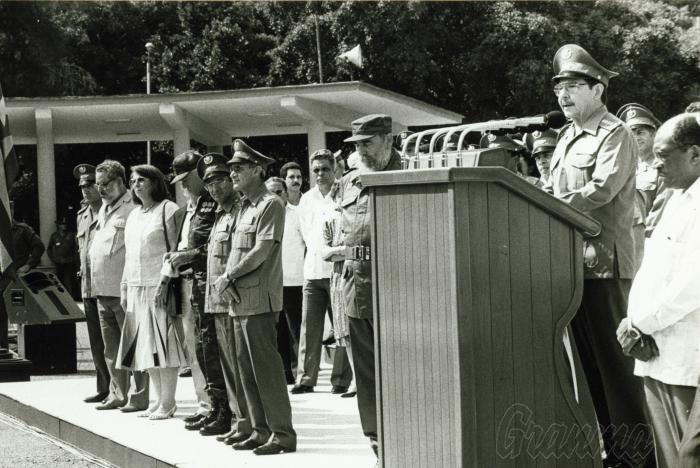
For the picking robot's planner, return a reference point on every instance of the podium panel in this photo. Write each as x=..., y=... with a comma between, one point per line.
x=477, y=274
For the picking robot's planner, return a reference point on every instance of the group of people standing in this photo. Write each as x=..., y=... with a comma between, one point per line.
x=215, y=283
x=250, y=252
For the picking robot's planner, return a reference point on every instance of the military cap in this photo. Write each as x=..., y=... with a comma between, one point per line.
x=368, y=126
x=212, y=165
x=491, y=140
x=184, y=163
x=637, y=114
x=85, y=173
x=539, y=141
x=572, y=61
x=243, y=153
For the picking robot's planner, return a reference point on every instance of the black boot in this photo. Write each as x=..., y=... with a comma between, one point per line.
x=203, y=421
x=222, y=423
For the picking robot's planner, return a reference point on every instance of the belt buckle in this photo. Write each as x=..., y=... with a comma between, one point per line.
x=357, y=252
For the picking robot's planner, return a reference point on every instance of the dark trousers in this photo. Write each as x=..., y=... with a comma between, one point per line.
x=316, y=303
x=111, y=322
x=669, y=407
x=618, y=395
x=97, y=345
x=689, y=455
x=207, y=346
x=286, y=348
x=262, y=377
x=225, y=337
x=67, y=274
x=362, y=338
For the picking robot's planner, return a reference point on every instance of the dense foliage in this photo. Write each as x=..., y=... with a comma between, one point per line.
x=481, y=59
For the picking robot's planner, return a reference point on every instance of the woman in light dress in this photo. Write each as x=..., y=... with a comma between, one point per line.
x=149, y=339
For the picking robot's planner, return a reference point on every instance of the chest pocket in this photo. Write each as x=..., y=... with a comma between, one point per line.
x=580, y=168
x=118, y=238
x=245, y=237
x=352, y=197
x=81, y=236
x=222, y=241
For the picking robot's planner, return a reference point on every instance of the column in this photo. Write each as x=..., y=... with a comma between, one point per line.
x=46, y=176
x=181, y=143
x=316, y=134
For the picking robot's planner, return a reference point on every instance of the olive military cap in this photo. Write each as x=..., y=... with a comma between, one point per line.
x=85, y=173
x=183, y=164
x=243, y=153
x=368, y=126
x=540, y=141
x=637, y=114
x=212, y=165
x=491, y=140
x=572, y=61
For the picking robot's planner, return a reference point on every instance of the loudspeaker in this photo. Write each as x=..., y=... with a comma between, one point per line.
x=353, y=56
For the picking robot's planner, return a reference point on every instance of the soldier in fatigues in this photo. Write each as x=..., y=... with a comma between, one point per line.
x=213, y=170
x=649, y=185
x=593, y=170
x=87, y=223
x=190, y=260
x=373, y=140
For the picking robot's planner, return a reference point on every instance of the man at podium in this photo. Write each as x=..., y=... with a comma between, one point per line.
x=372, y=138
x=593, y=170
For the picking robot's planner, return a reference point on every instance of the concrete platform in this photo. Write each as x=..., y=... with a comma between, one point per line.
x=328, y=428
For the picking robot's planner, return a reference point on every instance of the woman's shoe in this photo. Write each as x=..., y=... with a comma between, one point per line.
x=160, y=414
x=148, y=412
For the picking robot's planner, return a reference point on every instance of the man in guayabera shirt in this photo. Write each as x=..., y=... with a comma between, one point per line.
x=373, y=140
x=107, y=261
x=593, y=170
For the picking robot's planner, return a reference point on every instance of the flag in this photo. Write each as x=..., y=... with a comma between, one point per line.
x=8, y=173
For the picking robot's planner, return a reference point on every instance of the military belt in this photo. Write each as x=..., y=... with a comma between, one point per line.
x=357, y=252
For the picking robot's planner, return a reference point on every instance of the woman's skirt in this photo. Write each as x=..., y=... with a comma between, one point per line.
x=150, y=338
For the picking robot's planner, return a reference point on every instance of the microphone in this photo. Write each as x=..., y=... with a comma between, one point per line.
x=554, y=120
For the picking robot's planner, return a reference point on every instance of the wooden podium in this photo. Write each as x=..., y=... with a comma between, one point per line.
x=476, y=275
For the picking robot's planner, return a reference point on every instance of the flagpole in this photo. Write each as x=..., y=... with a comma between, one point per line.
x=12, y=369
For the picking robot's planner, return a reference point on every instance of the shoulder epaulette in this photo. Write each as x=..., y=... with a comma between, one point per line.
x=609, y=122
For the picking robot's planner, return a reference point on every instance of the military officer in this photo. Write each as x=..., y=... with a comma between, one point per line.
x=252, y=283
x=213, y=416
x=541, y=145
x=593, y=170
x=87, y=222
x=643, y=124
x=373, y=140
x=213, y=170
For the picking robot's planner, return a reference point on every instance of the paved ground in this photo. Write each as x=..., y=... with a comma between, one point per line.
x=22, y=446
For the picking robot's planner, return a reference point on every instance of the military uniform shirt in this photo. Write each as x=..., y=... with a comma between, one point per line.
x=27, y=246
x=593, y=170
x=218, y=252
x=356, y=225
x=87, y=222
x=261, y=218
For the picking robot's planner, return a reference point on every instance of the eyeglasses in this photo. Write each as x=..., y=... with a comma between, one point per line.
x=214, y=182
x=137, y=181
x=571, y=88
x=105, y=184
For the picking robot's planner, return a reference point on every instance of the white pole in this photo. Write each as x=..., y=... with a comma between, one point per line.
x=149, y=46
